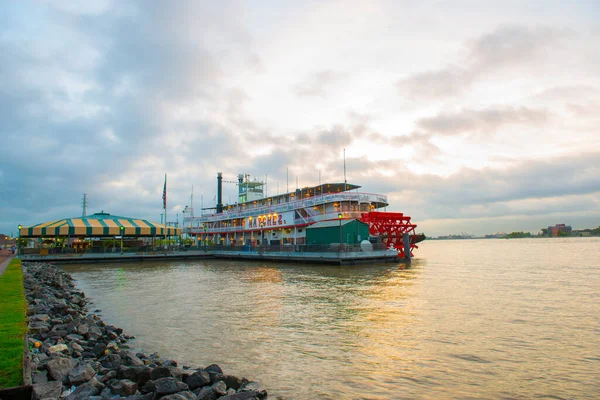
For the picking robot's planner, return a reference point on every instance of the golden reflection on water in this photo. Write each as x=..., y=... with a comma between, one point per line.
x=474, y=319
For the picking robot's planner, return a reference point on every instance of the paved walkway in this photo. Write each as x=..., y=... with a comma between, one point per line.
x=4, y=263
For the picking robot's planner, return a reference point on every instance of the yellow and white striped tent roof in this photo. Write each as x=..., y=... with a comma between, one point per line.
x=98, y=225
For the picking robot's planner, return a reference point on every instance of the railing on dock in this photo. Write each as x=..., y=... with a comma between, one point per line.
x=149, y=250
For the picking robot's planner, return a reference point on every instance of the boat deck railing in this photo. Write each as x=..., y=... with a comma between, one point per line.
x=241, y=211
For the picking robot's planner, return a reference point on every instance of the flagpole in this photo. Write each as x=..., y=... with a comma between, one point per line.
x=165, y=206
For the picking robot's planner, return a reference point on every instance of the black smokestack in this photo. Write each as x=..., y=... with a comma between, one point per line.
x=219, y=192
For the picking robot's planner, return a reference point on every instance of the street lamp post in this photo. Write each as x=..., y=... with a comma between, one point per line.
x=340, y=215
x=122, y=228
x=19, y=241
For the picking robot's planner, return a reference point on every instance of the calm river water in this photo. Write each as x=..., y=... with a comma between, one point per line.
x=469, y=319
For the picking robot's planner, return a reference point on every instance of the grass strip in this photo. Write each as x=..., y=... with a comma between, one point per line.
x=12, y=325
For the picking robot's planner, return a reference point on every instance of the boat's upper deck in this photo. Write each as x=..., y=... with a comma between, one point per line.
x=339, y=193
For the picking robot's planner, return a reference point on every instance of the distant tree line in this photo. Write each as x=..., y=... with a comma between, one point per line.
x=513, y=235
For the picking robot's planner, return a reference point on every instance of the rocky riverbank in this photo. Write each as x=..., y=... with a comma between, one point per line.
x=75, y=355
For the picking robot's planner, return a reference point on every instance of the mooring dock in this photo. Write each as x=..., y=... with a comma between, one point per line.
x=340, y=257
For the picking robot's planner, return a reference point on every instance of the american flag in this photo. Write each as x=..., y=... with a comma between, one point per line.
x=165, y=194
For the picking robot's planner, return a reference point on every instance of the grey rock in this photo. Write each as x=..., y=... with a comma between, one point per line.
x=215, y=376
x=39, y=317
x=170, y=363
x=59, y=368
x=59, y=327
x=76, y=347
x=139, y=375
x=81, y=373
x=58, y=333
x=74, y=337
x=38, y=327
x=40, y=377
x=214, y=368
x=47, y=391
x=112, y=374
x=123, y=387
x=250, y=386
x=206, y=393
x=94, y=333
x=160, y=372
x=185, y=395
x=98, y=349
x=83, y=329
x=232, y=381
x=177, y=373
x=220, y=387
x=112, y=361
x=148, y=387
x=133, y=360
x=147, y=396
x=90, y=388
x=106, y=393
x=169, y=385
x=198, y=379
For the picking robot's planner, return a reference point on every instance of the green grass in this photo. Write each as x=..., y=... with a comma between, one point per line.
x=12, y=325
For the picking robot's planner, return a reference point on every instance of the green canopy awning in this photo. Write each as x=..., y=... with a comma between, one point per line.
x=99, y=224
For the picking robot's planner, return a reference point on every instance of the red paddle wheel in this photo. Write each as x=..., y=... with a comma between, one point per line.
x=391, y=227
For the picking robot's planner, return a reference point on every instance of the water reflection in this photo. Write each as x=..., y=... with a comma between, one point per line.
x=480, y=319
x=253, y=318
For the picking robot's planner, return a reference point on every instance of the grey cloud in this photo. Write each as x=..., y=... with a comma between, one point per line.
x=538, y=180
x=141, y=60
x=444, y=82
x=317, y=84
x=505, y=47
x=489, y=119
x=525, y=196
x=511, y=45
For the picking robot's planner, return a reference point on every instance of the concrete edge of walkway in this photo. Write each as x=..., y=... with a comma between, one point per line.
x=4, y=264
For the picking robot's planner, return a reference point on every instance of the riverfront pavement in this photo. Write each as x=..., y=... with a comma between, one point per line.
x=5, y=258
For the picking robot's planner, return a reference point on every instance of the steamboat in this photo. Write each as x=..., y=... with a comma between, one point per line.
x=291, y=220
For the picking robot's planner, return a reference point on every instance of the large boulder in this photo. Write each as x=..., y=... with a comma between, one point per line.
x=206, y=393
x=185, y=395
x=94, y=333
x=130, y=358
x=47, y=390
x=161, y=372
x=99, y=349
x=59, y=368
x=40, y=377
x=123, y=387
x=139, y=375
x=90, y=388
x=220, y=387
x=232, y=381
x=81, y=373
x=112, y=361
x=169, y=385
x=214, y=368
x=83, y=329
x=198, y=379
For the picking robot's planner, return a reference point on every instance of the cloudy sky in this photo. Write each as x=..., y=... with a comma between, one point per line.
x=472, y=116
